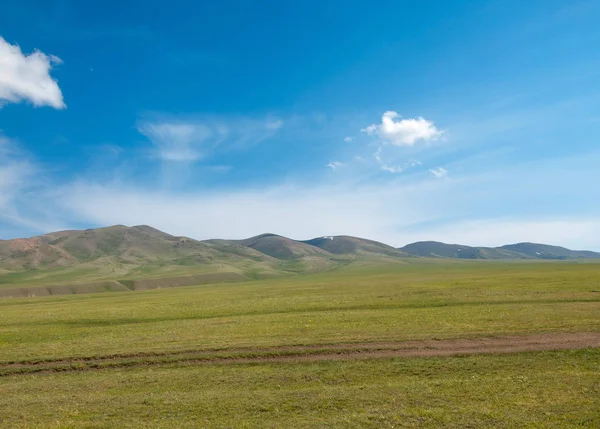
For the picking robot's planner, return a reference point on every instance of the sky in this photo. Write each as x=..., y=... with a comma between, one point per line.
x=471, y=122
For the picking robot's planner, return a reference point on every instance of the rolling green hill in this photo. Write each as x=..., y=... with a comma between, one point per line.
x=121, y=252
x=278, y=247
x=346, y=245
x=141, y=257
x=292, y=256
x=118, y=245
x=319, y=253
x=435, y=249
x=544, y=251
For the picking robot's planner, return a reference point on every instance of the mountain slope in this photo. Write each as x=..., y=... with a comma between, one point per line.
x=119, y=243
x=121, y=251
x=278, y=247
x=513, y=251
x=545, y=251
x=443, y=250
x=346, y=245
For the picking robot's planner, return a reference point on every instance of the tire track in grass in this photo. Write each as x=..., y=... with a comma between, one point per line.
x=314, y=353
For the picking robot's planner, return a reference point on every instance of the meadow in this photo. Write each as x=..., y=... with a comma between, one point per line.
x=355, y=347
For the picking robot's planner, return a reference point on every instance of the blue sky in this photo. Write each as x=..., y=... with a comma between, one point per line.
x=475, y=122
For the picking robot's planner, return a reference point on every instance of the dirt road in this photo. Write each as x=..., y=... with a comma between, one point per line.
x=314, y=353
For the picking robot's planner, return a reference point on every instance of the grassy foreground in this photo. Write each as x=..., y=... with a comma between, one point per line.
x=544, y=389
x=418, y=301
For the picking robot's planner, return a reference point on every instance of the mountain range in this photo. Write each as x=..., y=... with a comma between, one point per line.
x=436, y=249
x=142, y=252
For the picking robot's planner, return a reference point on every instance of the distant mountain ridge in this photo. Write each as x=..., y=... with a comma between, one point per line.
x=125, y=253
x=434, y=249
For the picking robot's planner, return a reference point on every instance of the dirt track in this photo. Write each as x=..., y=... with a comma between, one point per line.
x=313, y=353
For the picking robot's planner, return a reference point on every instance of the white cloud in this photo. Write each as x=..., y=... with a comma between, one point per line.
x=185, y=140
x=405, y=132
x=348, y=139
x=439, y=172
x=392, y=169
x=334, y=165
x=176, y=141
x=371, y=129
x=27, y=77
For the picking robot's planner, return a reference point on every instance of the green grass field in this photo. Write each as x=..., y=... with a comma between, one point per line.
x=143, y=367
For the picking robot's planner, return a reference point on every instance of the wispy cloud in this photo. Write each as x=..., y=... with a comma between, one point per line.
x=13, y=177
x=378, y=157
x=439, y=172
x=186, y=140
x=392, y=169
x=27, y=77
x=388, y=166
x=14, y=169
x=27, y=193
x=274, y=124
x=334, y=165
x=404, y=132
x=18, y=177
x=176, y=141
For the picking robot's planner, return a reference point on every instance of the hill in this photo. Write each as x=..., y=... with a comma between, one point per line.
x=322, y=252
x=545, y=251
x=443, y=250
x=513, y=251
x=292, y=256
x=279, y=247
x=347, y=245
x=121, y=252
x=119, y=244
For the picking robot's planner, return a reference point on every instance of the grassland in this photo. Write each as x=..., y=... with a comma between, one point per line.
x=156, y=336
